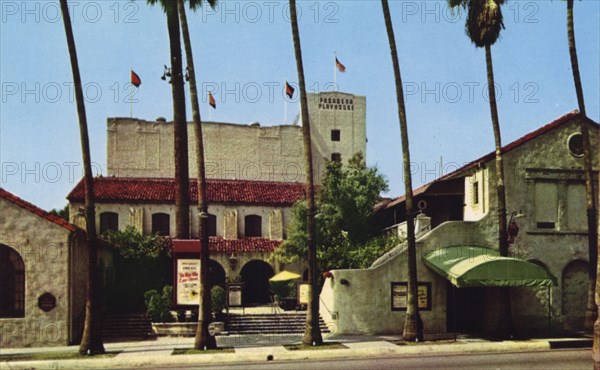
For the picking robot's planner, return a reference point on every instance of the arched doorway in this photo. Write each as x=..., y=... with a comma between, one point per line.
x=255, y=275
x=12, y=283
x=574, y=295
x=216, y=274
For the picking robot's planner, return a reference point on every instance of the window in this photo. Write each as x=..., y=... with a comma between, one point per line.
x=161, y=224
x=12, y=283
x=335, y=135
x=253, y=226
x=336, y=157
x=576, y=204
x=475, y=193
x=546, y=205
x=575, y=143
x=109, y=221
x=212, y=225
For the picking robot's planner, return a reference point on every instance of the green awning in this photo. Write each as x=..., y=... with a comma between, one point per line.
x=467, y=266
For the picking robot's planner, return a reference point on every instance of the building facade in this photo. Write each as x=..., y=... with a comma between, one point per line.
x=42, y=276
x=255, y=176
x=138, y=148
x=247, y=222
x=545, y=197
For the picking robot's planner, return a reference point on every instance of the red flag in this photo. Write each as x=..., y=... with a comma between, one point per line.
x=211, y=101
x=289, y=91
x=135, y=79
x=340, y=66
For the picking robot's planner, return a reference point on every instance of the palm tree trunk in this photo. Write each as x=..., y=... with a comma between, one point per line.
x=92, y=337
x=413, y=327
x=312, y=334
x=505, y=327
x=591, y=313
x=203, y=339
x=180, y=147
x=596, y=346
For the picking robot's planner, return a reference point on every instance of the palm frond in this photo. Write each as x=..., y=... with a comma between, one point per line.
x=484, y=21
x=163, y=3
x=195, y=4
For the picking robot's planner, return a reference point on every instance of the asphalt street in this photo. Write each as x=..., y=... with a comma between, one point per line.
x=555, y=359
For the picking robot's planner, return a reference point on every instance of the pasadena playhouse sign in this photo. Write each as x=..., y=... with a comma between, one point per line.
x=336, y=104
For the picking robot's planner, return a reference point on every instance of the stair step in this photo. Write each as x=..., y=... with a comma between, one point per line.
x=127, y=326
x=269, y=324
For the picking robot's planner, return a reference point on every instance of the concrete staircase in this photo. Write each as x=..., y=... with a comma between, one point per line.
x=127, y=326
x=277, y=323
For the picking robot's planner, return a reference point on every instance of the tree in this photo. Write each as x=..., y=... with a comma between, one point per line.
x=483, y=25
x=62, y=213
x=413, y=329
x=91, y=340
x=180, y=139
x=312, y=334
x=591, y=310
x=203, y=338
x=133, y=244
x=346, y=234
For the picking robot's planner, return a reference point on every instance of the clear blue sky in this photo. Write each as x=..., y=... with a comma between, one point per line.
x=245, y=47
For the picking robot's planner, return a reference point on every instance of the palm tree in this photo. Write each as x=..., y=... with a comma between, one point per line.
x=91, y=340
x=413, y=329
x=596, y=346
x=312, y=334
x=180, y=140
x=592, y=310
x=483, y=26
x=203, y=338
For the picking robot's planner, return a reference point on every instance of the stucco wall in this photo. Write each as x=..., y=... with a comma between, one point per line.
x=364, y=305
x=545, y=159
x=44, y=248
x=138, y=148
x=147, y=210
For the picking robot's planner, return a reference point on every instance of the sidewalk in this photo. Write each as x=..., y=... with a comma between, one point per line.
x=257, y=348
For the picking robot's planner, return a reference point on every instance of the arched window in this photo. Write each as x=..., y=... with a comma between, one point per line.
x=212, y=225
x=253, y=226
x=109, y=221
x=12, y=283
x=161, y=224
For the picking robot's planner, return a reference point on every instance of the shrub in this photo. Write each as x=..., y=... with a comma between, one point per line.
x=132, y=244
x=159, y=305
x=217, y=299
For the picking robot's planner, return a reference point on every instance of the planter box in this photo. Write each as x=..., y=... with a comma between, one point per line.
x=184, y=329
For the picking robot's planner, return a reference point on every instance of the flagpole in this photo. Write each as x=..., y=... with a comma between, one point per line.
x=334, y=72
x=285, y=103
x=130, y=93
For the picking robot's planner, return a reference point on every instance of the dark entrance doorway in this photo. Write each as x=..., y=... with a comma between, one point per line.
x=255, y=275
x=465, y=309
x=216, y=274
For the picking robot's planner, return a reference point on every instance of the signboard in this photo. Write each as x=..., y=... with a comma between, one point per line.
x=400, y=296
x=234, y=294
x=303, y=290
x=188, y=281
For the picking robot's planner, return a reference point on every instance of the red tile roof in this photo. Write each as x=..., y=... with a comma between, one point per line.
x=218, y=244
x=486, y=158
x=162, y=190
x=35, y=210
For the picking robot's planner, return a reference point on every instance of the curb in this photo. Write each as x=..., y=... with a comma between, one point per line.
x=279, y=353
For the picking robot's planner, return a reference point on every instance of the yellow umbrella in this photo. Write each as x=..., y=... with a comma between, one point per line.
x=284, y=276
